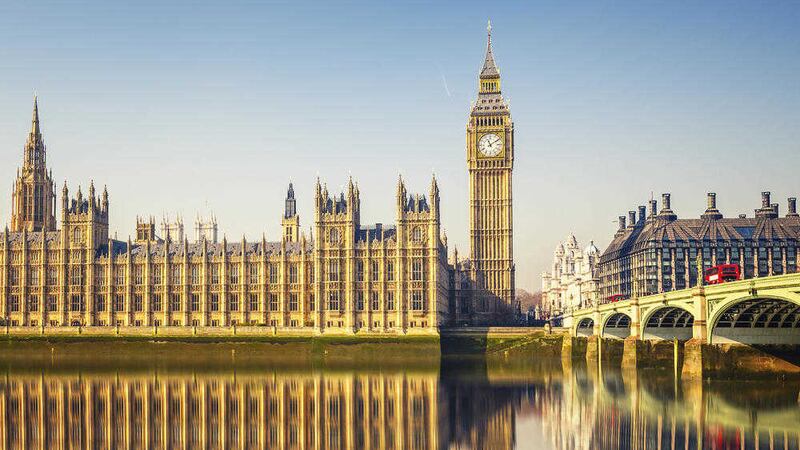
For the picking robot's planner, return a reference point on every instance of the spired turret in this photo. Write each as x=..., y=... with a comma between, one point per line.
x=33, y=203
x=291, y=220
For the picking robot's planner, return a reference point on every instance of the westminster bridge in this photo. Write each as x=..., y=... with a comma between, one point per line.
x=751, y=324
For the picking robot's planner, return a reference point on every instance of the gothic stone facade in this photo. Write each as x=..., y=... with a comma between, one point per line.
x=349, y=278
x=377, y=278
x=657, y=252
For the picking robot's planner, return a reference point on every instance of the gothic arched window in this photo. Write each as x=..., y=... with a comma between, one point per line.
x=416, y=234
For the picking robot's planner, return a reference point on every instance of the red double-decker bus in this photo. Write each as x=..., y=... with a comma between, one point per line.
x=615, y=298
x=722, y=273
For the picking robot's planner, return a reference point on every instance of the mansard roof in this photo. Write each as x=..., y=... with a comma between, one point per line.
x=740, y=229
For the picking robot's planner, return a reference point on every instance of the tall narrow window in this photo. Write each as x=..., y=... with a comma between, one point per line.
x=233, y=302
x=214, y=273
x=253, y=302
x=333, y=270
x=417, y=270
x=273, y=274
x=100, y=303
x=253, y=273
x=195, y=274
x=77, y=276
x=119, y=302
x=273, y=302
x=389, y=271
x=373, y=300
x=175, y=275
x=33, y=303
x=293, y=304
x=155, y=300
x=359, y=270
x=374, y=271
x=138, y=274
x=333, y=301
x=176, y=302
x=359, y=301
x=233, y=274
x=417, y=300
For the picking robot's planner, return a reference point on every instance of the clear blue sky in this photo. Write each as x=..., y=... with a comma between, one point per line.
x=196, y=106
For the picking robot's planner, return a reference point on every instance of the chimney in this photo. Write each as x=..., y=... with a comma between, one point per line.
x=666, y=211
x=621, y=223
x=742, y=216
x=642, y=214
x=792, y=207
x=711, y=210
x=775, y=210
x=767, y=210
x=631, y=219
x=653, y=209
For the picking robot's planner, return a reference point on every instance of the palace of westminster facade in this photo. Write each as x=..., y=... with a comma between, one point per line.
x=345, y=278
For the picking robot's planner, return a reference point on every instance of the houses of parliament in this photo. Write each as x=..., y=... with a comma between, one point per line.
x=344, y=277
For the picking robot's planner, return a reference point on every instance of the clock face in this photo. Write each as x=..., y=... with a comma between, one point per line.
x=490, y=145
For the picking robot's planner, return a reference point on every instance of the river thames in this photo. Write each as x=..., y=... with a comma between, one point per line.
x=225, y=402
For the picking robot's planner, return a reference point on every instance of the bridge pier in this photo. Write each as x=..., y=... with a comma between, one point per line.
x=700, y=325
x=693, y=359
x=573, y=347
x=609, y=350
x=639, y=353
x=636, y=319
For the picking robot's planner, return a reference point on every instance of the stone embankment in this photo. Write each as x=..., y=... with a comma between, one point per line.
x=506, y=345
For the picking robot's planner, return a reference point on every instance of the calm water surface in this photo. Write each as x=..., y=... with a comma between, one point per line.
x=476, y=405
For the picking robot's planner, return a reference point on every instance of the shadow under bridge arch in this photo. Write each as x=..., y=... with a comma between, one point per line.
x=668, y=322
x=758, y=320
x=585, y=327
x=617, y=326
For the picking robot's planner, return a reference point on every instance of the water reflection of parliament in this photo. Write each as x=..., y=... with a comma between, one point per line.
x=294, y=411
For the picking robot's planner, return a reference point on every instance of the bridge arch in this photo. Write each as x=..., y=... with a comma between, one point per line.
x=585, y=327
x=668, y=322
x=756, y=319
x=616, y=325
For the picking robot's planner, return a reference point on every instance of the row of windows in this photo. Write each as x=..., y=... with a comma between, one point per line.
x=234, y=302
x=76, y=274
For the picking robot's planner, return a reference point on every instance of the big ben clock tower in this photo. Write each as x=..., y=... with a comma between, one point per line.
x=490, y=159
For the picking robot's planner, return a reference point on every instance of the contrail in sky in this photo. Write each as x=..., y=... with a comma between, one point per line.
x=446, y=89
